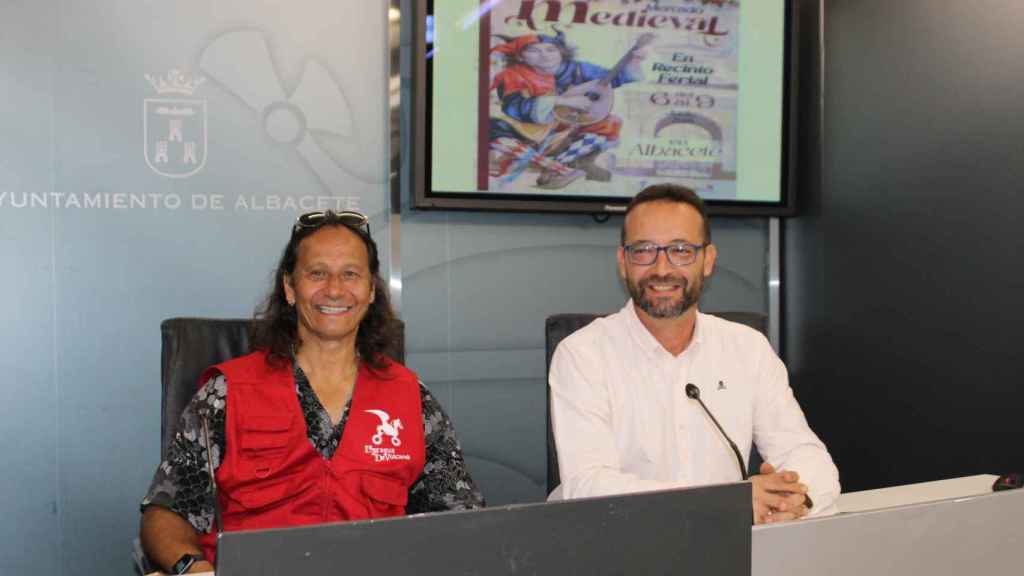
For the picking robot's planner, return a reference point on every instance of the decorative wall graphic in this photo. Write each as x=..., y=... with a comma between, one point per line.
x=316, y=104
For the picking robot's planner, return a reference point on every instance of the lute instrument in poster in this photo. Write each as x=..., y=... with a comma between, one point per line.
x=598, y=91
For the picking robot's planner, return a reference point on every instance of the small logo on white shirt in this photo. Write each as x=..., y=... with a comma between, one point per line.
x=721, y=385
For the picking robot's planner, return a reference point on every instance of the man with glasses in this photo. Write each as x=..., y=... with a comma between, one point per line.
x=622, y=389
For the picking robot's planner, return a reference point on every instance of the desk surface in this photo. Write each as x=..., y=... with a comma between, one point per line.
x=916, y=493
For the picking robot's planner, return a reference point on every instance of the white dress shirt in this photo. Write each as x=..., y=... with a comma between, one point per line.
x=623, y=423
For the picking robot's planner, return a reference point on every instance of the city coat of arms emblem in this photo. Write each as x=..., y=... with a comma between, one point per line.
x=174, y=126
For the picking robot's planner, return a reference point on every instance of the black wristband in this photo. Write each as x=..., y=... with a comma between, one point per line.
x=185, y=563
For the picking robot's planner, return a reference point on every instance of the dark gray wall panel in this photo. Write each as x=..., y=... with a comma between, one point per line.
x=903, y=272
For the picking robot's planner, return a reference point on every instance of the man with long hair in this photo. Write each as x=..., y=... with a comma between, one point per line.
x=319, y=424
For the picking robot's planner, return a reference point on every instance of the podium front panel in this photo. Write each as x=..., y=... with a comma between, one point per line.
x=971, y=535
x=704, y=530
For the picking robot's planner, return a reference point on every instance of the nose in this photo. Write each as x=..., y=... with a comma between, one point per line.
x=661, y=264
x=334, y=286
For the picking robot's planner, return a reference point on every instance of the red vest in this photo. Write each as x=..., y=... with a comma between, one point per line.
x=272, y=477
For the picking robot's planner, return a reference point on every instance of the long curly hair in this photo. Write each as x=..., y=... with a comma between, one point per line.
x=275, y=326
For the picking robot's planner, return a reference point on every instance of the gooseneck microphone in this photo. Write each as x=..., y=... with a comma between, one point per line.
x=693, y=392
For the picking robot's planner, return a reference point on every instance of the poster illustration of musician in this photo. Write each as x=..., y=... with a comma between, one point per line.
x=602, y=97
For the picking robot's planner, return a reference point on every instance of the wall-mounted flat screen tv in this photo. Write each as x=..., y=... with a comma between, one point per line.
x=575, y=106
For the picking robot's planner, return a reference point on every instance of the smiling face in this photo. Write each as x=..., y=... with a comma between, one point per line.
x=331, y=286
x=662, y=290
x=542, y=56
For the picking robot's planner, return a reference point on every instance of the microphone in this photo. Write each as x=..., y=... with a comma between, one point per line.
x=693, y=392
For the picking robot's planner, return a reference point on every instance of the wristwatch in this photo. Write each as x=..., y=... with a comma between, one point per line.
x=185, y=562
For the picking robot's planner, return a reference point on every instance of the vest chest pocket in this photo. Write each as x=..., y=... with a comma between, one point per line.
x=264, y=444
x=385, y=489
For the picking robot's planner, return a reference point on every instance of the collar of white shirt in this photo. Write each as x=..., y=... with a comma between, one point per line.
x=646, y=341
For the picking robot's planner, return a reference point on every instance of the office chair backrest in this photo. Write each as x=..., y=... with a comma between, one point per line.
x=559, y=326
x=191, y=345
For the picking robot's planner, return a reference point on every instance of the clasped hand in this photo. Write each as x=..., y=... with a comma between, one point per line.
x=778, y=496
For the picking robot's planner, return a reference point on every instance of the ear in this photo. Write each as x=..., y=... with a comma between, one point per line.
x=289, y=290
x=710, y=255
x=620, y=256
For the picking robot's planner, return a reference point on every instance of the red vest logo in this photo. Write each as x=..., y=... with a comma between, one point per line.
x=389, y=428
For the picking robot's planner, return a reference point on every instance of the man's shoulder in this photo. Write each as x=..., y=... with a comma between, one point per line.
x=245, y=362
x=393, y=372
x=603, y=331
x=732, y=334
x=603, y=338
x=252, y=358
x=587, y=356
x=253, y=367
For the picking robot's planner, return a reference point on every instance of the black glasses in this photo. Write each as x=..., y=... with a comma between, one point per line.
x=678, y=253
x=312, y=220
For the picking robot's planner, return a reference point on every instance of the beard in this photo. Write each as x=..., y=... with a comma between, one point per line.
x=664, y=306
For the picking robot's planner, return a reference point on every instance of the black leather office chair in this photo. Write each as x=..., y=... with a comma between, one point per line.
x=189, y=346
x=559, y=326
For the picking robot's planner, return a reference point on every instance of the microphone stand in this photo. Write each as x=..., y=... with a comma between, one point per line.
x=693, y=392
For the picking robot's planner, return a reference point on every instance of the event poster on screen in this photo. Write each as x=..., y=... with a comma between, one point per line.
x=604, y=97
x=618, y=96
